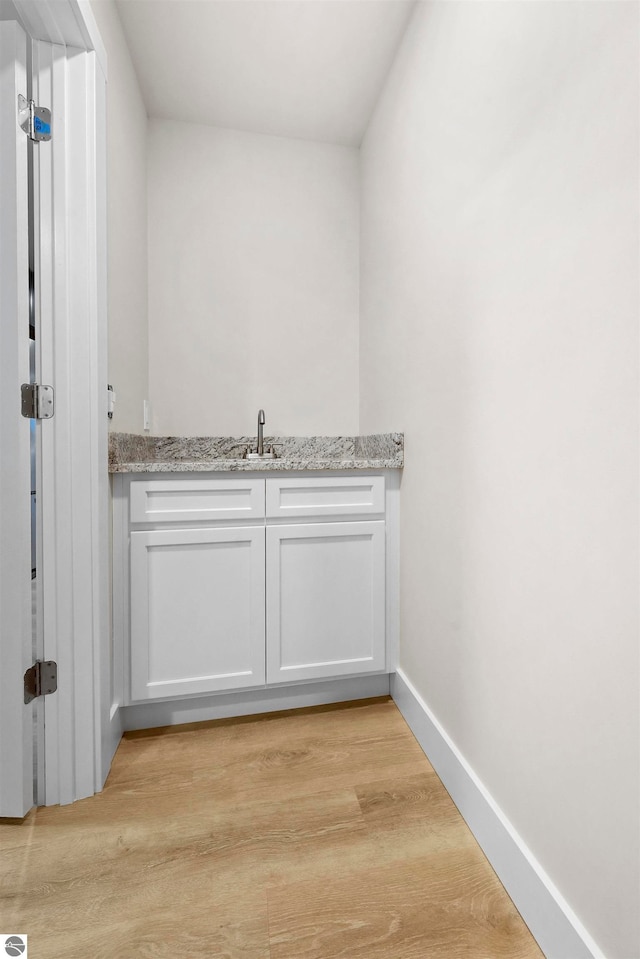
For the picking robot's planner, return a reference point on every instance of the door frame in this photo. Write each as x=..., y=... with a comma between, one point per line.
x=71, y=254
x=16, y=721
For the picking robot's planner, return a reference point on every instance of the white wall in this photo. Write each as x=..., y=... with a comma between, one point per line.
x=499, y=328
x=8, y=11
x=126, y=225
x=253, y=282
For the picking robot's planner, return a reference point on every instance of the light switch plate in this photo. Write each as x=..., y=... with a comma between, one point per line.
x=145, y=415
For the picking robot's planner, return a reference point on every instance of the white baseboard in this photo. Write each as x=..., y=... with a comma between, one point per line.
x=555, y=927
x=251, y=702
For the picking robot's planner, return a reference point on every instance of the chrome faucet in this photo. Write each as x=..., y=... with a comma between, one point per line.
x=259, y=453
x=261, y=421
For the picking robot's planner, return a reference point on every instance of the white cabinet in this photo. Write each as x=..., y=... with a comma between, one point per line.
x=197, y=610
x=228, y=582
x=325, y=600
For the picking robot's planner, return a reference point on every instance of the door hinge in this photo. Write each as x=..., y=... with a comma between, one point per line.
x=37, y=401
x=41, y=679
x=35, y=121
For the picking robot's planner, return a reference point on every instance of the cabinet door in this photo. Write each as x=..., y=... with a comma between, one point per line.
x=325, y=600
x=197, y=611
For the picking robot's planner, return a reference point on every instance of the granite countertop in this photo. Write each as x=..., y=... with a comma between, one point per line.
x=131, y=453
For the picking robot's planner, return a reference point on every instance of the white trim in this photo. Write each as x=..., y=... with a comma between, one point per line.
x=107, y=724
x=47, y=21
x=556, y=928
x=83, y=15
x=66, y=22
x=120, y=633
x=74, y=442
x=52, y=284
x=16, y=719
x=251, y=702
x=112, y=734
x=392, y=571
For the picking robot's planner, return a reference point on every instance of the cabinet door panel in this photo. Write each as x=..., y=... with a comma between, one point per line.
x=199, y=499
x=288, y=498
x=197, y=611
x=325, y=600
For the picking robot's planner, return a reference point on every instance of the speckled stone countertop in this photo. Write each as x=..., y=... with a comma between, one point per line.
x=130, y=453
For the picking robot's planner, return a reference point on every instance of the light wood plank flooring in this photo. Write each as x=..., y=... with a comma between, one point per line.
x=320, y=834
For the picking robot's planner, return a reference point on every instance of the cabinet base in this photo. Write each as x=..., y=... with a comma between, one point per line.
x=251, y=702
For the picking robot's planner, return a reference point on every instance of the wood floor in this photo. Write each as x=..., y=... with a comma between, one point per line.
x=324, y=834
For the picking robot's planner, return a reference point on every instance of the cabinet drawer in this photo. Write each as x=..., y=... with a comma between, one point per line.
x=321, y=496
x=171, y=501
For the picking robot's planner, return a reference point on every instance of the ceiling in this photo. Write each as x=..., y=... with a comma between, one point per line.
x=310, y=69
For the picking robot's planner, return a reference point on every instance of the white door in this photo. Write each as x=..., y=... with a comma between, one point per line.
x=197, y=611
x=16, y=718
x=325, y=600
